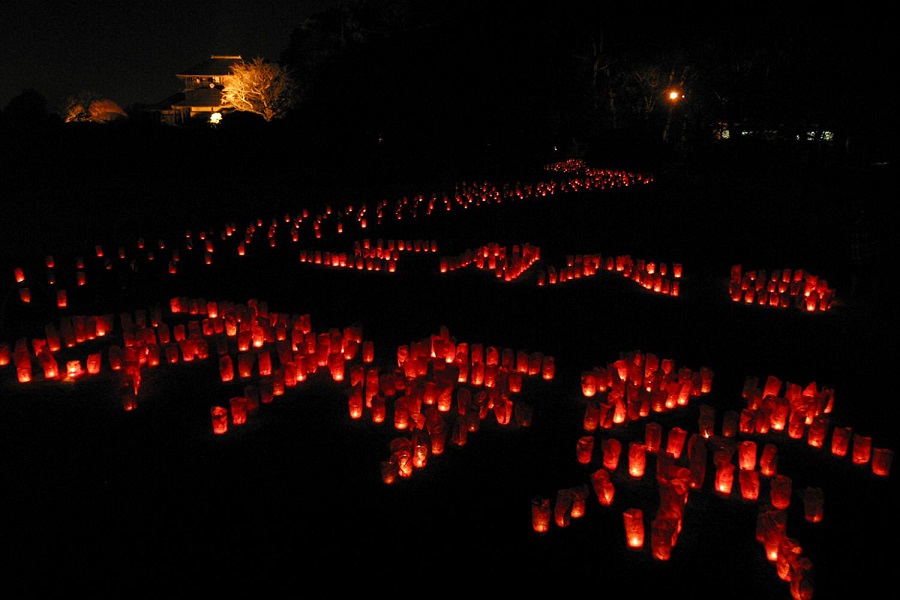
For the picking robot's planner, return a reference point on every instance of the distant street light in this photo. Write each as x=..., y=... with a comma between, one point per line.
x=674, y=95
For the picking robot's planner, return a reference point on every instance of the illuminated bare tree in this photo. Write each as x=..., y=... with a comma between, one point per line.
x=260, y=87
x=89, y=107
x=105, y=110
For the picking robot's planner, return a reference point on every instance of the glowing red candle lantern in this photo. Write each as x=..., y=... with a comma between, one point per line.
x=245, y=364
x=770, y=519
x=115, y=356
x=368, y=351
x=515, y=382
x=768, y=460
x=675, y=441
x=817, y=431
x=634, y=528
x=653, y=437
x=445, y=399
x=802, y=585
x=379, y=409
x=171, y=351
x=862, y=449
x=277, y=382
x=92, y=363
x=612, y=449
x=603, y=486
x=749, y=484
x=747, y=422
x=663, y=534
x=264, y=363
x=129, y=402
x=420, y=448
x=772, y=386
x=524, y=414
x=503, y=410
x=772, y=538
x=591, y=418
x=355, y=402
x=540, y=514
x=840, y=440
x=19, y=274
x=238, y=405
x=61, y=299
x=724, y=478
x=188, y=349
x=730, y=423
x=548, y=368
x=881, y=461
x=478, y=374
x=389, y=471
x=778, y=414
x=747, y=455
x=219, y=416
x=813, y=503
x=706, y=379
x=562, y=509
x=401, y=413
x=491, y=373
x=796, y=425
x=584, y=449
x=763, y=421
x=266, y=389
x=780, y=490
x=74, y=369
x=706, y=422
x=788, y=551
x=637, y=459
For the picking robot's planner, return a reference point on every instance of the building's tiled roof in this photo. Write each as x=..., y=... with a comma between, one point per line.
x=217, y=64
x=201, y=97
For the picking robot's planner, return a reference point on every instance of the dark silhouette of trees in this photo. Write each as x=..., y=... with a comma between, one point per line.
x=561, y=72
x=27, y=113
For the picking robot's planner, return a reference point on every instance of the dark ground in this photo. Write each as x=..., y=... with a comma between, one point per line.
x=102, y=500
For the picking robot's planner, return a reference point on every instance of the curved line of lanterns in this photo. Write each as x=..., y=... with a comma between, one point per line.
x=440, y=390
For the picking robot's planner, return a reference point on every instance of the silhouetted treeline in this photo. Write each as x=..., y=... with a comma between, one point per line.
x=447, y=90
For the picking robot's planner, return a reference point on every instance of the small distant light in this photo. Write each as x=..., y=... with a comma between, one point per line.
x=215, y=118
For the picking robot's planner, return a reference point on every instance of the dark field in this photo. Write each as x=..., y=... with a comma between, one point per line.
x=103, y=500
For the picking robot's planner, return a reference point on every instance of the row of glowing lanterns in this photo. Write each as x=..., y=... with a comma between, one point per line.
x=466, y=195
x=470, y=386
x=786, y=288
x=420, y=405
x=771, y=408
x=579, y=178
x=783, y=288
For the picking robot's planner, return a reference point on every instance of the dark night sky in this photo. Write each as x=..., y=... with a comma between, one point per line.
x=131, y=51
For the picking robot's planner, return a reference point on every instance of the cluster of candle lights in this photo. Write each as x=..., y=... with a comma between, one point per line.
x=638, y=385
x=784, y=288
x=440, y=389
